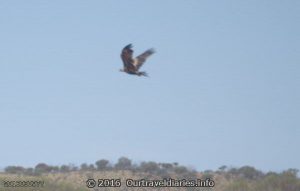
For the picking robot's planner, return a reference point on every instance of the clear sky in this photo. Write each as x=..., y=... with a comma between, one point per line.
x=223, y=86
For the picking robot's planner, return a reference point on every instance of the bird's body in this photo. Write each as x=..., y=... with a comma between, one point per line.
x=132, y=65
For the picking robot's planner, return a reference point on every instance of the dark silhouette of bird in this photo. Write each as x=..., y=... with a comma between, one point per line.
x=132, y=65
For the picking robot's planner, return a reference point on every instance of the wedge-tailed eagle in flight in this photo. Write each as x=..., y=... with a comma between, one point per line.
x=132, y=65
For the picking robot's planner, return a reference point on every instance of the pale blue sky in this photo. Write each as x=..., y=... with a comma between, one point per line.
x=223, y=87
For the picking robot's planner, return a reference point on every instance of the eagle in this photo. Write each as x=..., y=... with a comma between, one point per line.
x=132, y=65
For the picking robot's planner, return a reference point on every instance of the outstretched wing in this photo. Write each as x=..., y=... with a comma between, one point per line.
x=140, y=60
x=126, y=56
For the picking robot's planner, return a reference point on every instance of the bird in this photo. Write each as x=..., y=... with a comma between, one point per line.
x=132, y=65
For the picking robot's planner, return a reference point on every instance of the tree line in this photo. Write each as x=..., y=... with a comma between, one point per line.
x=245, y=178
x=162, y=169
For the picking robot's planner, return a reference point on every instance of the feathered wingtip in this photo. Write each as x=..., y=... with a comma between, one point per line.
x=143, y=74
x=152, y=50
x=129, y=46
